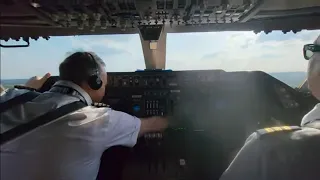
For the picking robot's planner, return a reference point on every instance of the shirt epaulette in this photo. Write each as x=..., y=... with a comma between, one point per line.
x=269, y=130
x=99, y=105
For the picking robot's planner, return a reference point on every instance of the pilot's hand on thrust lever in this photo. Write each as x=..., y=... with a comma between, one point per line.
x=37, y=82
x=153, y=124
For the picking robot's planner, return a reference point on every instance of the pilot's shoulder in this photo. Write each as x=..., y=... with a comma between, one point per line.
x=276, y=130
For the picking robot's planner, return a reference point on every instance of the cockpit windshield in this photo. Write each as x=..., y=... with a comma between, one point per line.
x=276, y=53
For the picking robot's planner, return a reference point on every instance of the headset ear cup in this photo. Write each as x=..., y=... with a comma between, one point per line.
x=95, y=82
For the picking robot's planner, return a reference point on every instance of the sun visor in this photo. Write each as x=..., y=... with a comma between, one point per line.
x=150, y=32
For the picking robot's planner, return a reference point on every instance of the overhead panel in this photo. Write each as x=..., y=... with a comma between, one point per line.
x=124, y=14
x=64, y=17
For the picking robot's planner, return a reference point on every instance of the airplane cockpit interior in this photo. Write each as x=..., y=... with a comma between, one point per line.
x=211, y=111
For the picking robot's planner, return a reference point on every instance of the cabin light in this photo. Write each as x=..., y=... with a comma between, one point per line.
x=153, y=45
x=36, y=5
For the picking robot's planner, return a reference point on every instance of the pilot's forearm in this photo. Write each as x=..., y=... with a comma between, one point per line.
x=152, y=124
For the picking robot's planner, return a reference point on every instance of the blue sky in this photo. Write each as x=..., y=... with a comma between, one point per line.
x=231, y=51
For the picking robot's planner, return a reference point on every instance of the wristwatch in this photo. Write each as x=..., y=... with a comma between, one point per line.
x=25, y=87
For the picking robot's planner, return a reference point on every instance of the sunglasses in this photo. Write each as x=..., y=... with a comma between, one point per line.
x=309, y=50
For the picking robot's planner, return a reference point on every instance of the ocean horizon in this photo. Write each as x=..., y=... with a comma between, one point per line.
x=13, y=81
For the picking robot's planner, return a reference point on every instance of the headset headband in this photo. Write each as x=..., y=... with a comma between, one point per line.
x=96, y=70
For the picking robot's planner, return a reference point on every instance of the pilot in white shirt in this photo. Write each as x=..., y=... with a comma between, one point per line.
x=290, y=155
x=69, y=147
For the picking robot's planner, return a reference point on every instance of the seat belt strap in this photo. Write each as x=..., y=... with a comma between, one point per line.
x=23, y=98
x=40, y=121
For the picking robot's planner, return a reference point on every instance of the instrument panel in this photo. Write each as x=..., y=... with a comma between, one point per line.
x=211, y=113
x=152, y=93
x=161, y=79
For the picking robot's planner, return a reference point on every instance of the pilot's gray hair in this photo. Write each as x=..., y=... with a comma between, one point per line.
x=78, y=66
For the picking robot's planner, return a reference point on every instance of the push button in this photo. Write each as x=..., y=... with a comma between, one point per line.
x=136, y=108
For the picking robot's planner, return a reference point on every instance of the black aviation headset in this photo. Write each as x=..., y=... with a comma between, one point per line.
x=94, y=80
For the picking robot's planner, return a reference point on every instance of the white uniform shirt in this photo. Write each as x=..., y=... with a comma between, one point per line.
x=284, y=156
x=67, y=148
x=312, y=116
x=11, y=93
